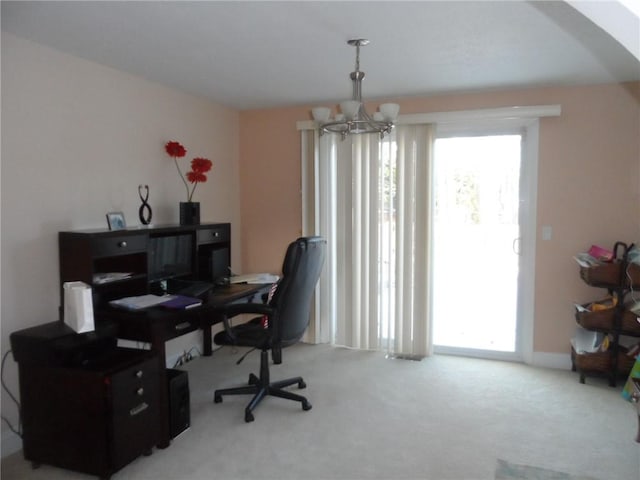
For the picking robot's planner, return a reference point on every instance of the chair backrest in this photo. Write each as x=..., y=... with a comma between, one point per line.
x=292, y=299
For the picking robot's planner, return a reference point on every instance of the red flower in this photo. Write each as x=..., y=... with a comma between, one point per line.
x=174, y=149
x=195, y=177
x=199, y=166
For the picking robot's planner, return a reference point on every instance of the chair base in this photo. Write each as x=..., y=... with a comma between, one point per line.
x=260, y=387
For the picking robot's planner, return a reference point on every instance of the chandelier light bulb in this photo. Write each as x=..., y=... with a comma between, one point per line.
x=321, y=114
x=390, y=111
x=350, y=109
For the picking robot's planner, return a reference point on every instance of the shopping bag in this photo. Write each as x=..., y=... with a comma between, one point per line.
x=78, y=306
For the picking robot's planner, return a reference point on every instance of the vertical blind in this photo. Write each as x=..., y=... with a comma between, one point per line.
x=370, y=198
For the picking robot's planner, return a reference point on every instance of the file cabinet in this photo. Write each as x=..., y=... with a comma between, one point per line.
x=93, y=417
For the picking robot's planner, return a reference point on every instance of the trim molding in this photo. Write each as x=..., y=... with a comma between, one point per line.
x=558, y=361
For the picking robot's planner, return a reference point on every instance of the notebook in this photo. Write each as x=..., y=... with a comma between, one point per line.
x=181, y=302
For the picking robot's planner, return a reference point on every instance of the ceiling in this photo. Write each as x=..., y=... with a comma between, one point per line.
x=249, y=55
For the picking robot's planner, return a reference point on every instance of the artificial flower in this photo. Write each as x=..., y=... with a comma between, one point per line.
x=199, y=166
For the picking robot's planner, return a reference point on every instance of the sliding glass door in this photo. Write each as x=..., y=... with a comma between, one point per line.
x=476, y=235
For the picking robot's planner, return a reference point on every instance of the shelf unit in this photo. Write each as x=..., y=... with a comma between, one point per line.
x=618, y=278
x=86, y=254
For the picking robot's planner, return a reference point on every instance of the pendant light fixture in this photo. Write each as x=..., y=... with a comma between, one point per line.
x=353, y=118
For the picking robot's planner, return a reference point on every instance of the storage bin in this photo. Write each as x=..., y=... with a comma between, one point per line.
x=610, y=275
x=601, y=361
x=603, y=320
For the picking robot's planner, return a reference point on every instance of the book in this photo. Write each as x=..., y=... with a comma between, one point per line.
x=181, y=302
x=600, y=253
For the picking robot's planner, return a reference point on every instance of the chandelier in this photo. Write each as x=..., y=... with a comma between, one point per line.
x=353, y=118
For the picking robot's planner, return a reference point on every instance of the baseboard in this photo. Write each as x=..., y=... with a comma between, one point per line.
x=559, y=361
x=11, y=443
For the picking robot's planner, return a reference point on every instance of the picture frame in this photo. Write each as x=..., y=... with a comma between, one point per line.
x=116, y=221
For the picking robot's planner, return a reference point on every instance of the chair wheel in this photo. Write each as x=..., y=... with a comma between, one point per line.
x=253, y=380
x=301, y=384
x=248, y=417
x=306, y=406
x=217, y=399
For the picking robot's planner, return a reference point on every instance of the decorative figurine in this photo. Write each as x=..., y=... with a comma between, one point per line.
x=145, y=210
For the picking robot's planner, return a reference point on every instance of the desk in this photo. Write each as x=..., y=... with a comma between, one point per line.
x=158, y=325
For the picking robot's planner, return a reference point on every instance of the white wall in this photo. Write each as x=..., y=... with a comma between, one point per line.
x=77, y=140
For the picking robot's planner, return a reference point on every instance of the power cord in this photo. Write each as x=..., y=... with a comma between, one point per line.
x=245, y=355
x=187, y=356
x=17, y=431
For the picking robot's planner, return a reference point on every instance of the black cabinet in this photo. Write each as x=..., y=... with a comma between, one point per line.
x=214, y=252
x=87, y=405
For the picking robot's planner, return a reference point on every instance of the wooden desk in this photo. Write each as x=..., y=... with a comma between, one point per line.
x=158, y=325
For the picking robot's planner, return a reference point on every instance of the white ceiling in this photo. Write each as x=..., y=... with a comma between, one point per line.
x=263, y=54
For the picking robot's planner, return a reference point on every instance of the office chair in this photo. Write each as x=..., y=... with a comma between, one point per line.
x=287, y=315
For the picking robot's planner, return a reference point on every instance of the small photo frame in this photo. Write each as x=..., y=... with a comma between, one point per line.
x=115, y=220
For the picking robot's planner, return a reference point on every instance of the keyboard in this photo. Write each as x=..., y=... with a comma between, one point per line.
x=188, y=288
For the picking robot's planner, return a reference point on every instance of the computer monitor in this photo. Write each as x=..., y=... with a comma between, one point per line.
x=170, y=256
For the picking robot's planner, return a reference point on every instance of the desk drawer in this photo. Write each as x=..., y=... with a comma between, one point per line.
x=120, y=245
x=219, y=234
x=186, y=323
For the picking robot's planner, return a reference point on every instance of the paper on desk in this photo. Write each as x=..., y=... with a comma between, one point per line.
x=140, y=302
x=255, y=278
x=100, y=278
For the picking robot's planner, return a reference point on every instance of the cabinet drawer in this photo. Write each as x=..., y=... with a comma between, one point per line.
x=121, y=245
x=214, y=235
x=135, y=385
x=135, y=426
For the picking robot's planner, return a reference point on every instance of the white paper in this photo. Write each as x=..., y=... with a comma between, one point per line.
x=586, y=341
x=254, y=278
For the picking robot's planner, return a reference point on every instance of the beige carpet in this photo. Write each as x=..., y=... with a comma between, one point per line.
x=511, y=471
x=373, y=418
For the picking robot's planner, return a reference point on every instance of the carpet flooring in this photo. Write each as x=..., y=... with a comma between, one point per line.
x=442, y=418
x=510, y=471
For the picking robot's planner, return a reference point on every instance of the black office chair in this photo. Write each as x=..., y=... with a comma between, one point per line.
x=287, y=314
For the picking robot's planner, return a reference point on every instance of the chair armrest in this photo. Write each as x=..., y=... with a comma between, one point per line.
x=251, y=308
x=231, y=311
